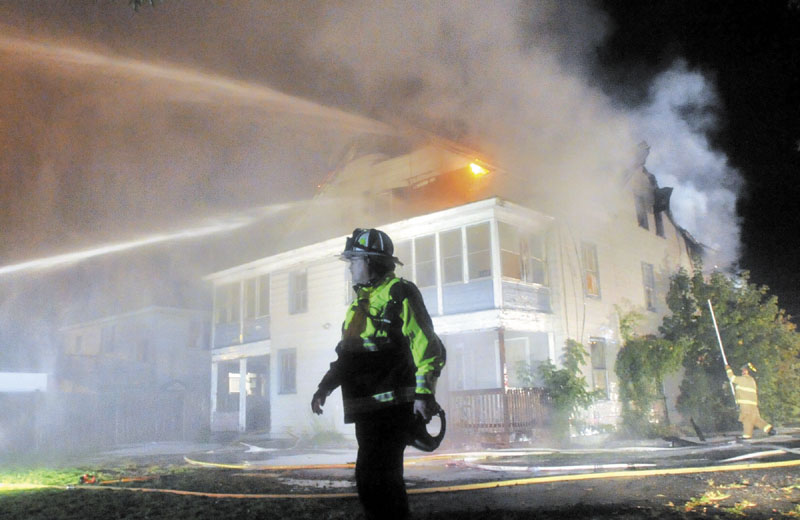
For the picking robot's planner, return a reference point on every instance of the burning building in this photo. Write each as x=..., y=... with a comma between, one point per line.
x=508, y=276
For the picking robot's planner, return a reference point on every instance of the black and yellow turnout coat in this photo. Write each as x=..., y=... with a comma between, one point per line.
x=389, y=353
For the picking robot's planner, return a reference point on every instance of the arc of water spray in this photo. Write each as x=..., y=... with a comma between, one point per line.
x=213, y=226
x=265, y=96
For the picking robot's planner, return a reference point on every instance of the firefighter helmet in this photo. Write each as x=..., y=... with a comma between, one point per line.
x=750, y=367
x=419, y=437
x=369, y=242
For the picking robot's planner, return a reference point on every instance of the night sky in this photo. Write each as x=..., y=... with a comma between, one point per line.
x=752, y=50
x=160, y=119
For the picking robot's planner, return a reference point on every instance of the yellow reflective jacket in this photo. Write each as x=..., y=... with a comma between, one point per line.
x=744, y=388
x=389, y=353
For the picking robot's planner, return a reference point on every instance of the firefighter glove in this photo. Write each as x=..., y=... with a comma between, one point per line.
x=425, y=408
x=318, y=401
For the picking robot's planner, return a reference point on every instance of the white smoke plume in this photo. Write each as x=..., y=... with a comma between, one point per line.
x=514, y=78
x=681, y=108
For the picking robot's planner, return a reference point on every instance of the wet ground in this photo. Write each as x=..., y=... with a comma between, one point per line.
x=257, y=478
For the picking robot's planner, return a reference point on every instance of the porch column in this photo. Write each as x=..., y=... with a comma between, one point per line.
x=213, y=397
x=501, y=348
x=242, y=394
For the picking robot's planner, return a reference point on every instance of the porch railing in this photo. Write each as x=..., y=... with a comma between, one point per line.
x=498, y=410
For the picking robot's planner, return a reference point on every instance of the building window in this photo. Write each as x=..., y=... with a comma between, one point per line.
x=591, y=272
x=518, y=361
x=479, y=252
x=599, y=371
x=510, y=257
x=349, y=293
x=649, y=282
x=226, y=303
x=525, y=354
x=641, y=212
x=475, y=361
x=287, y=375
x=256, y=297
x=402, y=250
x=250, y=298
x=659, y=217
x=263, y=295
x=522, y=256
x=535, y=264
x=425, y=261
x=298, y=292
x=452, y=256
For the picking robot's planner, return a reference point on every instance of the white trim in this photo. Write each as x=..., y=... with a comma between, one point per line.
x=242, y=394
x=214, y=383
x=152, y=309
x=464, y=253
x=497, y=275
x=437, y=255
x=256, y=348
x=401, y=230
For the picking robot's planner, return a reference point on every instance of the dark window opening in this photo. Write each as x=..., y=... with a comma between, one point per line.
x=641, y=213
x=659, y=216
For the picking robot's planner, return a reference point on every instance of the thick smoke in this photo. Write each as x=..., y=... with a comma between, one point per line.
x=681, y=110
x=514, y=79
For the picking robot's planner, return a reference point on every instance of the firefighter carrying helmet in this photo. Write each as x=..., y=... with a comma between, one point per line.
x=419, y=437
x=369, y=242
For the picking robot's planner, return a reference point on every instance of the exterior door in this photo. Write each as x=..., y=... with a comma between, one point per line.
x=258, y=412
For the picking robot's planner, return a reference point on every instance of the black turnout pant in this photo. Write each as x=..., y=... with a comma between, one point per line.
x=381, y=439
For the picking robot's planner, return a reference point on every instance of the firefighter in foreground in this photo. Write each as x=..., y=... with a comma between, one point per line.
x=389, y=359
x=746, y=394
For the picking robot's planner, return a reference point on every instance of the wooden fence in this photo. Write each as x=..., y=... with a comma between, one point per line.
x=498, y=411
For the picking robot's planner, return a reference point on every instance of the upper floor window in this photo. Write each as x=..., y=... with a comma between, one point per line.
x=425, y=261
x=298, y=292
x=522, y=255
x=659, y=218
x=536, y=265
x=250, y=289
x=226, y=303
x=256, y=297
x=649, y=282
x=479, y=251
x=263, y=295
x=452, y=256
x=591, y=271
x=641, y=212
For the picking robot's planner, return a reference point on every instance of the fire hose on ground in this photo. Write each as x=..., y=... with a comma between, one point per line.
x=599, y=472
